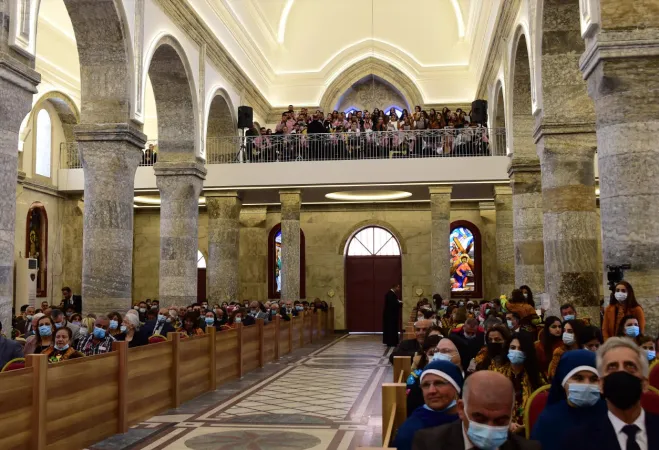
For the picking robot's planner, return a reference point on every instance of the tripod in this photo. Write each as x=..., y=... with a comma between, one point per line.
x=241, y=154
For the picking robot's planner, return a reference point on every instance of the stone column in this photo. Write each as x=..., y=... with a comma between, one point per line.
x=72, y=242
x=622, y=80
x=503, y=204
x=223, y=246
x=291, y=200
x=570, y=218
x=527, y=222
x=17, y=84
x=110, y=154
x=440, y=264
x=180, y=184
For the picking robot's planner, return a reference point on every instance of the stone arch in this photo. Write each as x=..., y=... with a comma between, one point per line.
x=371, y=223
x=67, y=111
x=499, y=117
x=521, y=107
x=106, y=60
x=176, y=102
x=374, y=66
x=221, y=122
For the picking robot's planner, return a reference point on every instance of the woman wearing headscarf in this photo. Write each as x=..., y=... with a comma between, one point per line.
x=441, y=384
x=574, y=399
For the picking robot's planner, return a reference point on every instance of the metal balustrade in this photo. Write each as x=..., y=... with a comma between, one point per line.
x=444, y=143
x=70, y=155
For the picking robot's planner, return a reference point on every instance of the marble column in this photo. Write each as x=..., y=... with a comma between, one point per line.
x=223, y=246
x=72, y=242
x=110, y=154
x=291, y=201
x=570, y=221
x=503, y=204
x=527, y=222
x=17, y=84
x=180, y=184
x=622, y=80
x=440, y=264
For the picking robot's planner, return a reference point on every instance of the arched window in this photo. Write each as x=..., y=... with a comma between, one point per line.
x=44, y=144
x=466, y=260
x=397, y=109
x=201, y=261
x=36, y=244
x=352, y=109
x=275, y=273
x=373, y=241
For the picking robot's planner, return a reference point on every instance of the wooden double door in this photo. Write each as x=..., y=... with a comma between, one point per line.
x=368, y=279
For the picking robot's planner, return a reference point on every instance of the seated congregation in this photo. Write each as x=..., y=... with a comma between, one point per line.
x=63, y=333
x=501, y=375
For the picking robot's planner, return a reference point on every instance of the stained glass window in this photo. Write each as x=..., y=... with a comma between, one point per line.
x=278, y=262
x=373, y=241
x=463, y=261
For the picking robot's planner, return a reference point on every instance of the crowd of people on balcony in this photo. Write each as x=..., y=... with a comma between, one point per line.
x=508, y=352
x=62, y=332
x=367, y=135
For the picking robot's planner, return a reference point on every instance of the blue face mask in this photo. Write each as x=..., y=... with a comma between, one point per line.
x=516, y=356
x=59, y=325
x=487, y=437
x=441, y=357
x=583, y=395
x=632, y=331
x=161, y=317
x=209, y=320
x=451, y=405
x=568, y=317
x=99, y=333
x=63, y=348
x=114, y=324
x=651, y=355
x=45, y=330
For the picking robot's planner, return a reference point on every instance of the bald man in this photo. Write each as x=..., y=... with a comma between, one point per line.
x=486, y=411
x=410, y=346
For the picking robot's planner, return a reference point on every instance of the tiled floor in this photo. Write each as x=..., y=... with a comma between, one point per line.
x=323, y=397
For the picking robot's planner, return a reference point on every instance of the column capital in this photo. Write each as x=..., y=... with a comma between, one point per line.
x=439, y=190
x=624, y=44
x=180, y=168
x=19, y=74
x=222, y=194
x=520, y=164
x=110, y=132
x=502, y=190
x=290, y=192
x=545, y=128
x=486, y=206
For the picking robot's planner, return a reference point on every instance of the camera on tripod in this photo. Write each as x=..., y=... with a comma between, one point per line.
x=616, y=274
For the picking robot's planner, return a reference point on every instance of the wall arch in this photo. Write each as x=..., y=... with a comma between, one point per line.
x=521, y=35
x=36, y=243
x=521, y=100
x=215, y=100
x=67, y=112
x=405, y=85
x=176, y=101
x=345, y=240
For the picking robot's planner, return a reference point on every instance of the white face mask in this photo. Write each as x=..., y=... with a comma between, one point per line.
x=620, y=296
x=568, y=338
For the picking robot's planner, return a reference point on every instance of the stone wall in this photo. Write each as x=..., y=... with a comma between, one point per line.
x=369, y=93
x=327, y=229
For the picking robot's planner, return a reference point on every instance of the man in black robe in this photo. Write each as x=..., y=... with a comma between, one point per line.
x=391, y=316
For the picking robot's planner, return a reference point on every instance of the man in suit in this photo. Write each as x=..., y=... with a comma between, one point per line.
x=158, y=326
x=623, y=371
x=61, y=321
x=70, y=300
x=409, y=347
x=9, y=349
x=485, y=411
x=473, y=338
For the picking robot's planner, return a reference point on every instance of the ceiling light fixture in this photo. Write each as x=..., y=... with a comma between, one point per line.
x=372, y=196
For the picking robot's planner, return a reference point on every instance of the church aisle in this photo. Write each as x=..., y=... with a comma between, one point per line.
x=326, y=397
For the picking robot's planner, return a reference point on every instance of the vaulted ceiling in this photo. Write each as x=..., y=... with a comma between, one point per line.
x=301, y=46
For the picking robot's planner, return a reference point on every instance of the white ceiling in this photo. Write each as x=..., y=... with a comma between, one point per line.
x=302, y=45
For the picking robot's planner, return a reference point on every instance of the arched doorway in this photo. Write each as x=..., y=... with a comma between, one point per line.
x=372, y=266
x=201, y=276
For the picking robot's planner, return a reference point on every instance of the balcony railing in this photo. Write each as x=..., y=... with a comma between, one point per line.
x=449, y=142
x=71, y=156
x=445, y=143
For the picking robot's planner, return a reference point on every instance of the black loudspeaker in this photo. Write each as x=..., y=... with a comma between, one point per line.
x=479, y=112
x=245, y=117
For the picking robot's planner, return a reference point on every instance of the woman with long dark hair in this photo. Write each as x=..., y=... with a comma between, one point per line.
x=622, y=303
x=494, y=354
x=528, y=295
x=550, y=340
x=572, y=332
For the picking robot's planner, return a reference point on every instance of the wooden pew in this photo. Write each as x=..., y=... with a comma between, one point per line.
x=402, y=368
x=394, y=410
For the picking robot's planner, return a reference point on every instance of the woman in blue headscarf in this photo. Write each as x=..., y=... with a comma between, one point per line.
x=441, y=384
x=574, y=399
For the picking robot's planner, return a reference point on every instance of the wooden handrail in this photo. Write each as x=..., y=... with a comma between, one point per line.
x=386, y=439
x=394, y=409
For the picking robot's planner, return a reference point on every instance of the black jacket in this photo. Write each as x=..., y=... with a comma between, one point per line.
x=408, y=347
x=600, y=435
x=449, y=437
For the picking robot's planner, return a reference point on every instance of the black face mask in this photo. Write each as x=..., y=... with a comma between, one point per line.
x=494, y=348
x=623, y=389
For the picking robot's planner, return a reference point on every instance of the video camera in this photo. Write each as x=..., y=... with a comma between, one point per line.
x=616, y=274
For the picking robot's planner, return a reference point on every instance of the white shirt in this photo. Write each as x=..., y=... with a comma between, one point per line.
x=641, y=435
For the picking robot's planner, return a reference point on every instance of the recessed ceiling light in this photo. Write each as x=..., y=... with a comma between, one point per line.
x=373, y=195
